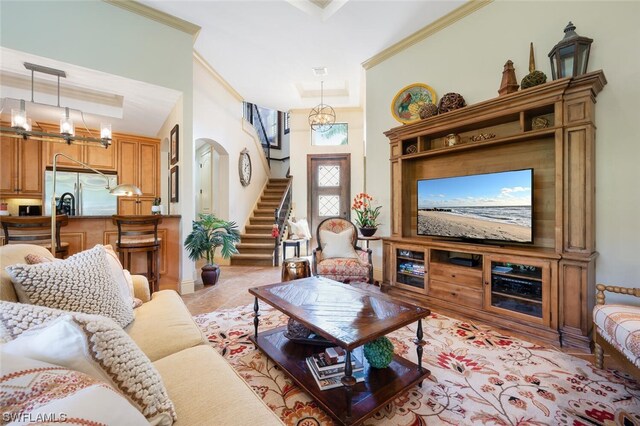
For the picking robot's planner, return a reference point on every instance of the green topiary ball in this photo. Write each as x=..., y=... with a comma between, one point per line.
x=532, y=79
x=379, y=352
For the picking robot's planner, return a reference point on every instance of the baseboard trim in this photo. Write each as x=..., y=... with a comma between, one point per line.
x=187, y=287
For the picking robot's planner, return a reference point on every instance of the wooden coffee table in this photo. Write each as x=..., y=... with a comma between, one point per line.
x=348, y=317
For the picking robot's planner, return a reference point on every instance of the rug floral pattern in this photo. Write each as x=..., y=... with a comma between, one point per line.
x=478, y=376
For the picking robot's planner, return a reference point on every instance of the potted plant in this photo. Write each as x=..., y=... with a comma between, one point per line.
x=209, y=233
x=367, y=216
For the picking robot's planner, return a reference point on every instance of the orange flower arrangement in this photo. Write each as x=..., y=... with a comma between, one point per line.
x=367, y=215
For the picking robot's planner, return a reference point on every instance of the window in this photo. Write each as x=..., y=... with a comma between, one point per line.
x=338, y=134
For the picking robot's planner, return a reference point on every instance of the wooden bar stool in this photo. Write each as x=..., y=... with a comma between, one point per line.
x=35, y=230
x=139, y=234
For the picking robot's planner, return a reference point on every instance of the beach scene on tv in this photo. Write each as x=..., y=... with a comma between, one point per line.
x=494, y=206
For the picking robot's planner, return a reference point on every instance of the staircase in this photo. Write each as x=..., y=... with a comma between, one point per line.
x=257, y=246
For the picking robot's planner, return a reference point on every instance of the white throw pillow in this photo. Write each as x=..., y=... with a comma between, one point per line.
x=303, y=228
x=33, y=390
x=92, y=344
x=337, y=244
x=121, y=275
x=82, y=283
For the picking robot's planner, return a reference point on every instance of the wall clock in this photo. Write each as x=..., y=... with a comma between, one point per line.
x=244, y=167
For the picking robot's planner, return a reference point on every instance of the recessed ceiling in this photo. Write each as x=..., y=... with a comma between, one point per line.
x=266, y=50
x=130, y=106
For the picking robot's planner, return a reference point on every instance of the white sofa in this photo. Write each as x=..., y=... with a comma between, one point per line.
x=202, y=385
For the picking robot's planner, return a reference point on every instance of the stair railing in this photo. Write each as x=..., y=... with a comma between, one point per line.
x=261, y=131
x=281, y=213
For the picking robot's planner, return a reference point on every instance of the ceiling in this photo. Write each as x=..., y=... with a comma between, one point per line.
x=130, y=106
x=266, y=49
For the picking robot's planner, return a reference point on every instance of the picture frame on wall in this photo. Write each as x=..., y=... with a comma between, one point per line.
x=174, y=188
x=175, y=145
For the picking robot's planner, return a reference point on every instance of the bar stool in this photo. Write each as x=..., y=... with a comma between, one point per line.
x=139, y=234
x=35, y=230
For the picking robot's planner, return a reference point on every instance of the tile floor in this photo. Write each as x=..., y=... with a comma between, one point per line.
x=235, y=281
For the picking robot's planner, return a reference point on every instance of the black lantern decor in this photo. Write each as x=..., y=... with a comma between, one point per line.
x=570, y=56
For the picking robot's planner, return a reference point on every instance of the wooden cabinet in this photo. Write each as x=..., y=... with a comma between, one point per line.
x=546, y=288
x=518, y=287
x=134, y=205
x=410, y=267
x=21, y=168
x=139, y=164
x=95, y=155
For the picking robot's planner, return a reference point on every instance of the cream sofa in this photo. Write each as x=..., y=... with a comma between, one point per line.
x=202, y=385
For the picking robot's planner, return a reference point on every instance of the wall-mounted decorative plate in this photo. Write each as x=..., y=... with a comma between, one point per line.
x=406, y=104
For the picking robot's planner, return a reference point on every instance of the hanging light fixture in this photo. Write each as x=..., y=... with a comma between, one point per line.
x=322, y=117
x=21, y=124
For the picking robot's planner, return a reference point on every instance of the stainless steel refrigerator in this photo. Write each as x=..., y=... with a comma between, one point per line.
x=89, y=190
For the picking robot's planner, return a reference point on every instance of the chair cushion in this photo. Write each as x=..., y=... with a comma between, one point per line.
x=164, y=326
x=82, y=283
x=620, y=326
x=92, y=344
x=33, y=389
x=207, y=391
x=343, y=270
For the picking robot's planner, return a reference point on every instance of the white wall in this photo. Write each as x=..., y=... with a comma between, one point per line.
x=468, y=58
x=218, y=117
x=301, y=146
x=103, y=37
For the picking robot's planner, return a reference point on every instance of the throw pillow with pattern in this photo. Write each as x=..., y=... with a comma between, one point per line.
x=92, y=344
x=82, y=283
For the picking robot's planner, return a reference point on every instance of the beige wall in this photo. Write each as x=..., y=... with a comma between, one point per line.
x=300, y=147
x=468, y=58
x=218, y=120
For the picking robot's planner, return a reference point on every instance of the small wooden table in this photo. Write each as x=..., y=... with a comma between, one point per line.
x=349, y=317
x=367, y=239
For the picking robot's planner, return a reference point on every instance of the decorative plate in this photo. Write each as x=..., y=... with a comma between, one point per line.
x=407, y=102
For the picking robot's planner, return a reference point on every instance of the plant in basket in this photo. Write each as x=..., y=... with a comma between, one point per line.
x=366, y=214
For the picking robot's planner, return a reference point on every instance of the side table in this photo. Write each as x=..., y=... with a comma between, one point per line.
x=367, y=239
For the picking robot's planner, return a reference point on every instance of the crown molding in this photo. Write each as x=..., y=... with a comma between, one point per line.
x=455, y=15
x=217, y=76
x=158, y=16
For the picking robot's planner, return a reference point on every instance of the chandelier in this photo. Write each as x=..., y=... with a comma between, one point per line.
x=21, y=124
x=322, y=117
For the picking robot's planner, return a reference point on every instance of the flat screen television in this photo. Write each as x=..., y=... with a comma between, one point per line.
x=491, y=206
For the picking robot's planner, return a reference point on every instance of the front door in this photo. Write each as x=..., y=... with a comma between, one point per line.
x=329, y=187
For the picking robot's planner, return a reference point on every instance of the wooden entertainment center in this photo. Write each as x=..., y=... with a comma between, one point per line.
x=545, y=289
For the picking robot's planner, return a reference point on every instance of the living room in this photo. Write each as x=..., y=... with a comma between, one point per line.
x=464, y=54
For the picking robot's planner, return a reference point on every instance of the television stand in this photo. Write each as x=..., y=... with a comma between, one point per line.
x=545, y=289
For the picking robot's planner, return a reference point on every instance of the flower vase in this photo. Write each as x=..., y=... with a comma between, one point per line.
x=368, y=232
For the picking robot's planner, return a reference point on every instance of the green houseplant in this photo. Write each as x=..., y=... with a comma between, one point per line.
x=209, y=233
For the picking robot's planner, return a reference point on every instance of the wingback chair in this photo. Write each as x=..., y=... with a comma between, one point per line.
x=337, y=256
x=617, y=329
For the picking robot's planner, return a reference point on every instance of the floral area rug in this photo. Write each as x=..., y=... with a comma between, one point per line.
x=478, y=376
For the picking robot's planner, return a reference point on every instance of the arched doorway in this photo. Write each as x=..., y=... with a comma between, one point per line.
x=212, y=178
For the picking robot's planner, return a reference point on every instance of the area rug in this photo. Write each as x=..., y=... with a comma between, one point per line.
x=478, y=376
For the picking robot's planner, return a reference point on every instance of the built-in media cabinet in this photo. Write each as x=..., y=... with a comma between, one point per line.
x=545, y=289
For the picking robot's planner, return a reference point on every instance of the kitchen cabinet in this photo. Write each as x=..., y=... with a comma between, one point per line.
x=139, y=164
x=21, y=166
x=94, y=154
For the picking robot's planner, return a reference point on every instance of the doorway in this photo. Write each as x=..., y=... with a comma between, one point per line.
x=329, y=187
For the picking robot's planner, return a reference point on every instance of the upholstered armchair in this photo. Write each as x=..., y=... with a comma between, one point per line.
x=337, y=256
x=617, y=329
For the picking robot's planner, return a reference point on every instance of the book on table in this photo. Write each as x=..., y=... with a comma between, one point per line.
x=327, y=383
x=327, y=371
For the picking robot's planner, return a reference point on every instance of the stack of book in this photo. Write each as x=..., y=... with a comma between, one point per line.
x=328, y=370
x=412, y=268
